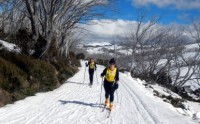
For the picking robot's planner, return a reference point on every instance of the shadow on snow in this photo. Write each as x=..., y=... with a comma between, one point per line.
x=64, y=102
x=77, y=83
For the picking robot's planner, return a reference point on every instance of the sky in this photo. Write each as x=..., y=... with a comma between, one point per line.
x=124, y=18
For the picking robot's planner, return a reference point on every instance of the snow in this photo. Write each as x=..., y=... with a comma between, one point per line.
x=192, y=46
x=164, y=91
x=99, y=44
x=195, y=107
x=95, y=50
x=77, y=103
x=10, y=46
x=99, y=48
x=197, y=116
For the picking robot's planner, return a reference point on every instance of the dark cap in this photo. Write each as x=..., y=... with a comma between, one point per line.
x=112, y=61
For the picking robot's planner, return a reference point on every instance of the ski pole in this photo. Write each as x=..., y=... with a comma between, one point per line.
x=84, y=76
x=97, y=77
x=101, y=89
x=117, y=98
x=116, y=93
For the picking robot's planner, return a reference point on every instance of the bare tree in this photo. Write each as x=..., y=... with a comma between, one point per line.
x=193, y=63
x=135, y=42
x=58, y=17
x=33, y=11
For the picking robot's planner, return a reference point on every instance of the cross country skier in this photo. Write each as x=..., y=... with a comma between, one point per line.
x=92, y=67
x=111, y=79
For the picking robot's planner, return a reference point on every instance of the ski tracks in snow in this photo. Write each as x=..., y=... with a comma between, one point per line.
x=144, y=115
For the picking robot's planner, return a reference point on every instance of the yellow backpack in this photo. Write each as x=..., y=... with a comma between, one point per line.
x=91, y=65
x=110, y=74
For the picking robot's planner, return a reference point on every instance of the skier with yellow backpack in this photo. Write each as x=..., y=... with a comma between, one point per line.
x=92, y=67
x=111, y=79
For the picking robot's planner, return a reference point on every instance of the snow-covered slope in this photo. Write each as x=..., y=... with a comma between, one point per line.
x=10, y=46
x=77, y=103
x=99, y=44
x=103, y=47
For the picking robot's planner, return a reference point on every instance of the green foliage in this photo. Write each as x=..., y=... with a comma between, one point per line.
x=23, y=39
x=39, y=46
x=12, y=78
x=72, y=55
x=41, y=71
x=22, y=75
x=73, y=61
x=65, y=70
x=80, y=56
x=2, y=35
x=1, y=46
x=103, y=62
x=44, y=73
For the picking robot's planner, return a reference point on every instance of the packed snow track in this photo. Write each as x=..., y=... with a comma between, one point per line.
x=76, y=103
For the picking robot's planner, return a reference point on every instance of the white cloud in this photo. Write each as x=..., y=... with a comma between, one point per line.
x=179, y=4
x=109, y=27
x=107, y=30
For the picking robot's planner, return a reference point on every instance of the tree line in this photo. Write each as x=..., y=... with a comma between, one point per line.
x=56, y=21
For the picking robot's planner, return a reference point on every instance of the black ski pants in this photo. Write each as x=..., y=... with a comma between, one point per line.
x=109, y=90
x=91, y=75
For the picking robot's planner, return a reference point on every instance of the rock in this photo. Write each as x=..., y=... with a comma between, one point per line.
x=196, y=116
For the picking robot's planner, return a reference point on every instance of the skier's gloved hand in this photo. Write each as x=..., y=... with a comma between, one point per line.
x=116, y=85
x=86, y=64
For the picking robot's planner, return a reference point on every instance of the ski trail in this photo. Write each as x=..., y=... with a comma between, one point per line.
x=129, y=106
x=141, y=108
x=77, y=103
x=149, y=106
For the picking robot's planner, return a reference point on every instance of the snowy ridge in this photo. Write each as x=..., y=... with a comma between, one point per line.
x=77, y=103
x=99, y=44
x=104, y=47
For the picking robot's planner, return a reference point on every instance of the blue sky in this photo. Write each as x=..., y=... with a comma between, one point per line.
x=170, y=12
x=124, y=19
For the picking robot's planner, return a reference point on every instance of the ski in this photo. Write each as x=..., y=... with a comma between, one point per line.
x=90, y=85
x=103, y=108
x=109, y=112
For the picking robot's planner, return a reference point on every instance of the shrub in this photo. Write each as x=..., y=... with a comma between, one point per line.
x=163, y=78
x=41, y=72
x=176, y=102
x=22, y=75
x=80, y=56
x=4, y=97
x=1, y=46
x=72, y=55
x=2, y=35
x=23, y=39
x=44, y=73
x=197, y=92
x=39, y=46
x=12, y=78
x=65, y=70
x=103, y=62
